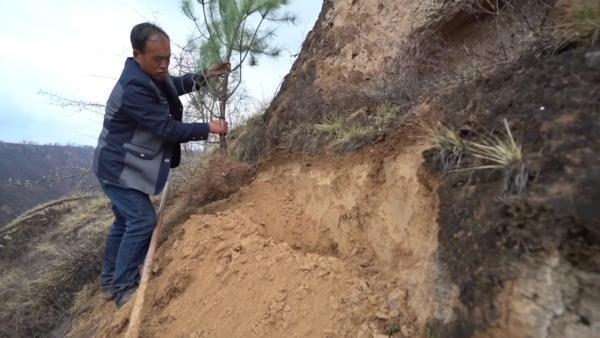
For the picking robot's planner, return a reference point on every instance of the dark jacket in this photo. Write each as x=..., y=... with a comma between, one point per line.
x=142, y=130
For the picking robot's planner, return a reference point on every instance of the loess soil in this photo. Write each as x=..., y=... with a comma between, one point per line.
x=314, y=246
x=382, y=242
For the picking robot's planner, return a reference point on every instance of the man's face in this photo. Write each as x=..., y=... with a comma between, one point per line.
x=154, y=60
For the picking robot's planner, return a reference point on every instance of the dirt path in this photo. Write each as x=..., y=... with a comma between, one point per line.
x=314, y=247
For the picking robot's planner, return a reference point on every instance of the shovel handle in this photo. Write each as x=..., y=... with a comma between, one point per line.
x=135, y=319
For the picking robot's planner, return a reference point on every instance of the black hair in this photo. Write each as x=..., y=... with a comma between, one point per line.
x=140, y=33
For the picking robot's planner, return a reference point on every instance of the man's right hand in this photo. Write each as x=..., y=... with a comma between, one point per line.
x=217, y=70
x=218, y=127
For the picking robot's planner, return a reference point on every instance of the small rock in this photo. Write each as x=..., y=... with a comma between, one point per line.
x=276, y=307
x=359, y=115
x=405, y=331
x=382, y=315
x=396, y=298
x=329, y=333
x=307, y=267
x=281, y=296
x=379, y=335
x=228, y=226
x=281, y=256
x=220, y=269
x=363, y=285
x=222, y=246
x=355, y=297
x=593, y=59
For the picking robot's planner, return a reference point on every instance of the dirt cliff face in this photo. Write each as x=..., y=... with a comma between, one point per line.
x=362, y=53
x=527, y=265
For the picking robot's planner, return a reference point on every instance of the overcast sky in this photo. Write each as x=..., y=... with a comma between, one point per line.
x=76, y=49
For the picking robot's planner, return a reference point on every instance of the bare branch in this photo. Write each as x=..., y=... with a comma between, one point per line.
x=79, y=105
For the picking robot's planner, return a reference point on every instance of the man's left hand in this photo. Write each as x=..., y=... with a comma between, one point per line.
x=218, y=70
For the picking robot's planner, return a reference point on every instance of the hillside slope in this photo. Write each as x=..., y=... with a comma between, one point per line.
x=34, y=174
x=46, y=257
x=361, y=54
x=407, y=236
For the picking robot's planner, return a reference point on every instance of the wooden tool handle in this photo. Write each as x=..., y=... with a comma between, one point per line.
x=135, y=319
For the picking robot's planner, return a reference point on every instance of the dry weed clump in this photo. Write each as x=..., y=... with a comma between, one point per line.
x=497, y=152
x=38, y=285
x=451, y=148
x=575, y=22
x=501, y=152
x=505, y=154
x=345, y=134
x=342, y=132
x=248, y=141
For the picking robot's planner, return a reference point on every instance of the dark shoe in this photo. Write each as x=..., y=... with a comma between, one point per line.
x=125, y=297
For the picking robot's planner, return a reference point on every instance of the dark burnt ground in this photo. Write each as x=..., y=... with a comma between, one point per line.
x=552, y=103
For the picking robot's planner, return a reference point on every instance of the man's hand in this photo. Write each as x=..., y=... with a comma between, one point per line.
x=218, y=70
x=218, y=127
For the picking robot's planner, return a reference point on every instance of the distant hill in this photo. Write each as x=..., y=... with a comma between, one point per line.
x=31, y=174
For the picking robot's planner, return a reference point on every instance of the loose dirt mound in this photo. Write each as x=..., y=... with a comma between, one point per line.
x=212, y=178
x=338, y=246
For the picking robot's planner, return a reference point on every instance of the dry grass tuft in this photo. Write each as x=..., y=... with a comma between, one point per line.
x=247, y=142
x=81, y=301
x=575, y=21
x=386, y=116
x=451, y=148
x=344, y=135
x=500, y=153
x=39, y=284
x=333, y=124
x=505, y=154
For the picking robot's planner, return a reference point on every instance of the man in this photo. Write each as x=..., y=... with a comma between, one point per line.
x=138, y=145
